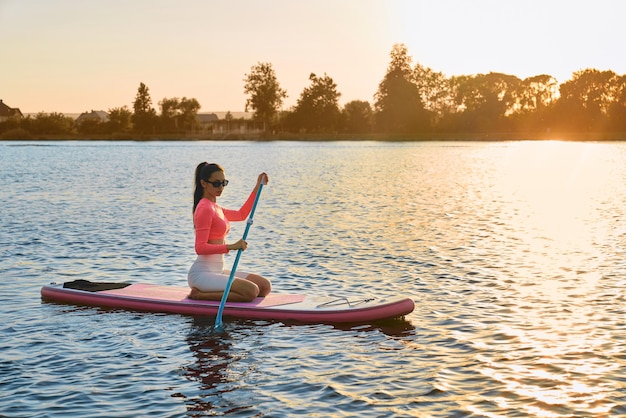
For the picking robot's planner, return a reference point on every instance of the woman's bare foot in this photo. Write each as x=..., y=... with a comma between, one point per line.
x=197, y=294
x=194, y=293
x=241, y=291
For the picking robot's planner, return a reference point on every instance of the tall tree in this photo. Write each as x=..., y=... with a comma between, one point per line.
x=398, y=104
x=144, y=114
x=266, y=96
x=317, y=109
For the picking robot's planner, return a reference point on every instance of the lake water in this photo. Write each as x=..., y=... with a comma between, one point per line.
x=514, y=253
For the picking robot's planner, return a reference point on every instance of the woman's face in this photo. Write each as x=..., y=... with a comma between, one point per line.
x=210, y=191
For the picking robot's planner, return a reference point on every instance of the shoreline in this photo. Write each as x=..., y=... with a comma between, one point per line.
x=284, y=136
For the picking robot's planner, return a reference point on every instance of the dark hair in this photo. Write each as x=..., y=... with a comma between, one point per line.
x=204, y=171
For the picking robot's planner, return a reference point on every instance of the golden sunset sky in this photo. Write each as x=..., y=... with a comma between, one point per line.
x=72, y=56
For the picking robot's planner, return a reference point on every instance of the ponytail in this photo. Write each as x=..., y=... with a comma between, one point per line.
x=204, y=171
x=198, y=191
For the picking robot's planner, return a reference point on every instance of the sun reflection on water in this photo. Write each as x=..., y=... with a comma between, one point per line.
x=547, y=198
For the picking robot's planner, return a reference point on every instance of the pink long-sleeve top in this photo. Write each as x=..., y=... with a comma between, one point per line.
x=212, y=222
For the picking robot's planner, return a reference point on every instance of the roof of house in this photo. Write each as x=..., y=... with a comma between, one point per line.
x=235, y=115
x=214, y=116
x=7, y=111
x=99, y=115
x=206, y=117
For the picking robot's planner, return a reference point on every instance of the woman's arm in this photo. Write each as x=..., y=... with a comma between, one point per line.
x=244, y=211
x=203, y=247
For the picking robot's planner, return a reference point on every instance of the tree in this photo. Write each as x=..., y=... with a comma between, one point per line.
x=434, y=90
x=179, y=114
x=53, y=123
x=92, y=126
x=586, y=99
x=317, y=109
x=536, y=93
x=617, y=110
x=358, y=117
x=483, y=101
x=228, y=118
x=266, y=96
x=169, y=114
x=398, y=104
x=534, y=102
x=189, y=113
x=144, y=114
x=119, y=119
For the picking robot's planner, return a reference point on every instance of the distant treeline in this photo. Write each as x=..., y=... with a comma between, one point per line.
x=411, y=100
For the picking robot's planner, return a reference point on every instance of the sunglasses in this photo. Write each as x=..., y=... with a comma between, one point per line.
x=217, y=184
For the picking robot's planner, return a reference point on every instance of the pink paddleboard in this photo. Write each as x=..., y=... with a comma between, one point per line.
x=275, y=306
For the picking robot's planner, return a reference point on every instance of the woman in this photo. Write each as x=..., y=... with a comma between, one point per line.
x=207, y=277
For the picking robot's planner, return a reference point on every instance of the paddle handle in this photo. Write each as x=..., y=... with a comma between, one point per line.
x=220, y=310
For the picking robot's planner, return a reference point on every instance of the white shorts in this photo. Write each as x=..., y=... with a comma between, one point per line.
x=207, y=273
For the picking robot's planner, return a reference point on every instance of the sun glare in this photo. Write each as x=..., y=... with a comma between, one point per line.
x=556, y=185
x=553, y=190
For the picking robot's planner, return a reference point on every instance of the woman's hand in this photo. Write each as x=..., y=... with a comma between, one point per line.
x=239, y=245
x=263, y=178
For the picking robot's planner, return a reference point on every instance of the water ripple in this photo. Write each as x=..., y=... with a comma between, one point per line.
x=512, y=251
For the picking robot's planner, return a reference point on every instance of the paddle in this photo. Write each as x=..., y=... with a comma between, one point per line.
x=218, y=318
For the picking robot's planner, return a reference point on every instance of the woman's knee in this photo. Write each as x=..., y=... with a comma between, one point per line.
x=264, y=285
x=248, y=290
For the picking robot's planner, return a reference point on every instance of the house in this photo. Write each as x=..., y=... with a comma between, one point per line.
x=206, y=122
x=7, y=112
x=228, y=123
x=95, y=115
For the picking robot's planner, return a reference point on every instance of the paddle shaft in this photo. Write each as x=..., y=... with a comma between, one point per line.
x=220, y=311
